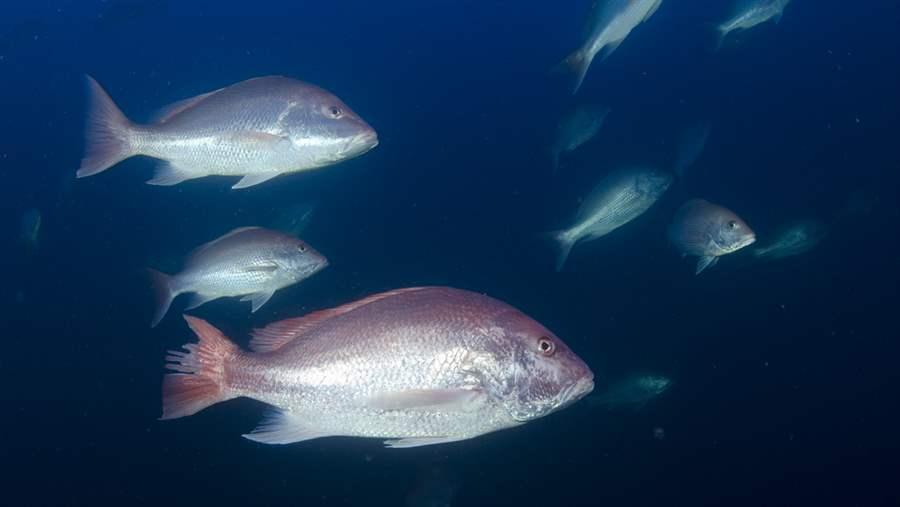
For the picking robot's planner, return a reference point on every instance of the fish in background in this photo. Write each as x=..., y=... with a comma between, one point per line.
x=250, y=261
x=634, y=391
x=294, y=219
x=257, y=129
x=417, y=366
x=619, y=198
x=436, y=487
x=708, y=231
x=690, y=147
x=793, y=238
x=30, y=228
x=609, y=24
x=576, y=128
x=749, y=13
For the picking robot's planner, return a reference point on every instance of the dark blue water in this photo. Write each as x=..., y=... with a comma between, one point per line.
x=785, y=374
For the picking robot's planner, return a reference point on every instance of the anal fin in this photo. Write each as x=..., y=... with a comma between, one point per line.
x=281, y=427
x=705, y=262
x=250, y=180
x=406, y=443
x=198, y=299
x=257, y=299
x=168, y=174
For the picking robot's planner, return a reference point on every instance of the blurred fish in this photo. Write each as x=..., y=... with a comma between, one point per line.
x=577, y=127
x=619, y=198
x=634, y=391
x=690, y=146
x=609, y=24
x=750, y=13
x=437, y=487
x=30, y=228
x=251, y=261
x=257, y=129
x=295, y=218
x=708, y=231
x=794, y=238
x=418, y=366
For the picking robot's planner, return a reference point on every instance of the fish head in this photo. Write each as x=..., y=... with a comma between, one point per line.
x=325, y=130
x=542, y=374
x=654, y=384
x=731, y=233
x=299, y=260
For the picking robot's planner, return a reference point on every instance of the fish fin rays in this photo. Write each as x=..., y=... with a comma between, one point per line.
x=168, y=174
x=564, y=246
x=257, y=299
x=280, y=427
x=406, y=443
x=250, y=180
x=576, y=64
x=164, y=294
x=705, y=262
x=451, y=400
x=167, y=113
x=108, y=133
x=198, y=299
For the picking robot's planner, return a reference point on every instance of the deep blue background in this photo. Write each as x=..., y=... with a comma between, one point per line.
x=786, y=374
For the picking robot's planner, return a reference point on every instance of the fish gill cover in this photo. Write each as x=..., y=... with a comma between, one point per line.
x=768, y=379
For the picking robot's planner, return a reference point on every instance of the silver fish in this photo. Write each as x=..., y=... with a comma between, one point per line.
x=609, y=24
x=750, y=13
x=250, y=261
x=708, y=231
x=794, y=238
x=634, y=391
x=619, y=198
x=577, y=127
x=257, y=129
x=417, y=366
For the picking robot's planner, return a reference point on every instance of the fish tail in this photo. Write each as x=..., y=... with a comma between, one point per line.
x=164, y=293
x=564, y=243
x=200, y=381
x=720, y=38
x=577, y=65
x=108, y=133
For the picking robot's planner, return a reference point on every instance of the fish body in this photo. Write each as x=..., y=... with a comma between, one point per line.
x=750, y=14
x=793, y=239
x=619, y=198
x=251, y=261
x=576, y=128
x=418, y=366
x=257, y=129
x=708, y=231
x=610, y=22
x=633, y=391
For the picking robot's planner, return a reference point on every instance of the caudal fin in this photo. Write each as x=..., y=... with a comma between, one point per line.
x=564, y=243
x=107, y=133
x=163, y=293
x=577, y=65
x=200, y=381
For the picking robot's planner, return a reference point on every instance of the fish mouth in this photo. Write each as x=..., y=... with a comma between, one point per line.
x=362, y=143
x=577, y=390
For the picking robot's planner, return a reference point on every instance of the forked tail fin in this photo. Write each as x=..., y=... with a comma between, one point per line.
x=107, y=133
x=200, y=381
x=577, y=65
x=564, y=243
x=163, y=294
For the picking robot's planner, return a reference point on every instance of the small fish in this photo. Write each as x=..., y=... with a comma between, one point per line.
x=690, y=147
x=418, y=366
x=30, y=228
x=577, y=127
x=750, y=13
x=609, y=24
x=794, y=238
x=619, y=198
x=708, y=231
x=634, y=391
x=257, y=129
x=250, y=261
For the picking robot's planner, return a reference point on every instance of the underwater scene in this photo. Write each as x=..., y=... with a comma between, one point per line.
x=450, y=253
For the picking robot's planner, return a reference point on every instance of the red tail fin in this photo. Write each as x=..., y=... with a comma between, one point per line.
x=201, y=378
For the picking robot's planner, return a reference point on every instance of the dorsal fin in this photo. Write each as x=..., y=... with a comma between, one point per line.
x=206, y=246
x=167, y=113
x=278, y=334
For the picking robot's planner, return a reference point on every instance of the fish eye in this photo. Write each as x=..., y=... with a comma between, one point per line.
x=302, y=248
x=732, y=225
x=546, y=346
x=335, y=112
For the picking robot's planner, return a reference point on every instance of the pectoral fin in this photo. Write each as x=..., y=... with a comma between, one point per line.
x=705, y=262
x=257, y=299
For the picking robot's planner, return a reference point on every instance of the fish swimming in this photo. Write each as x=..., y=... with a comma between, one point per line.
x=416, y=366
x=708, y=231
x=619, y=198
x=257, y=129
x=794, y=238
x=750, y=13
x=577, y=127
x=634, y=391
x=250, y=261
x=609, y=24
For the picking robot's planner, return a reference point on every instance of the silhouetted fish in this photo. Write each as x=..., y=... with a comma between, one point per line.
x=708, y=231
x=750, y=13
